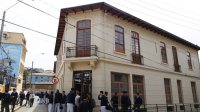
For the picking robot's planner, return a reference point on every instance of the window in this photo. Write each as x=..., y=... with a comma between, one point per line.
x=36, y=77
x=168, y=95
x=138, y=86
x=119, y=83
x=5, y=36
x=119, y=39
x=180, y=92
x=189, y=60
x=83, y=38
x=175, y=56
x=135, y=42
x=163, y=52
x=194, y=92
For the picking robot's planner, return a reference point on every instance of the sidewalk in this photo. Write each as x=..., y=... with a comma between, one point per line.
x=35, y=108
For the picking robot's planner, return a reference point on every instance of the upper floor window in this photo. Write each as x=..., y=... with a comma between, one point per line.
x=163, y=52
x=135, y=42
x=189, y=60
x=119, y=39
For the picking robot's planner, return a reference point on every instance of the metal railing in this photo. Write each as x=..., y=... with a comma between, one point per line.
x=177, y=68
x=81, y=51
x=161, y=108
x=137, y=59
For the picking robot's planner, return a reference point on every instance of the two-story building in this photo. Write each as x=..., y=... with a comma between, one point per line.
x=13, y=51
x=100, y=47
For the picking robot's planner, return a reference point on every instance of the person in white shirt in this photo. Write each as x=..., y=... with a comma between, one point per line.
x=77, y=101
x=31, y=98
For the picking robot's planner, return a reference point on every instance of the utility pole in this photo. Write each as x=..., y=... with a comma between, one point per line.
x=31, y=76
x=2, y=25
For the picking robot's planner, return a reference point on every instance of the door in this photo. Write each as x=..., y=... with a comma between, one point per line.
x=82, y=81
x=83, y=38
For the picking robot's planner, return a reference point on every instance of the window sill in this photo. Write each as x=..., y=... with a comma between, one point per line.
x=120, y=53
x=163, y=63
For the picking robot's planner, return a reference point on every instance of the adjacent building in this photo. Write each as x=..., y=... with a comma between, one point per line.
x=13, y=53
x=41, y=81
x=100, y=47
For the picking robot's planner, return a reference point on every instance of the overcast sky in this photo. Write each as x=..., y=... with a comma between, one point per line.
x=180, y=17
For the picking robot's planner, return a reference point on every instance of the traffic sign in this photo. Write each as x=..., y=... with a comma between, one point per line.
x=55, y=80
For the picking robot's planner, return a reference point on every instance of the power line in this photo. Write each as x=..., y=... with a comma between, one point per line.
x=170, y=11
x=163, y=13
x=185, y=26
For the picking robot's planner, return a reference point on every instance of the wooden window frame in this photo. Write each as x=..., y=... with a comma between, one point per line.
x=194, y=92
x=117, y=49
x=168, y=91
x=180, y=91
x=189, y=61
x=135, y=43
x=163, y=52
x=139, y=84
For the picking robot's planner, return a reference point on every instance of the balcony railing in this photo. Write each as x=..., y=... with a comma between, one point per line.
x=177, y=68
x=137, y=59
x=81, y=51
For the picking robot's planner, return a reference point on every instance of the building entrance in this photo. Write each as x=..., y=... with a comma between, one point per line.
x=82, y=81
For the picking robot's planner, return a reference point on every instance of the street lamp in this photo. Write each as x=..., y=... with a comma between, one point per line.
x=32, y=73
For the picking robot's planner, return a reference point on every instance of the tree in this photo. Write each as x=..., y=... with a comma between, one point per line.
x=25, y=75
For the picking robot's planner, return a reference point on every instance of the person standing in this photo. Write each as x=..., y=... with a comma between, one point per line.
x=14, y=96
x=104, y=101
x=114, y=102
x=84, y=104
x=77, y=101
x=137, y=103
x=41, y=96
x=50, y=105
x=5, y=101
x=21, y=97
x=91, y=101
x=46, y=95
x=63, y=101
x=27, y=98
x=71, y=100
x=31, y=98
x=125, y=102
x=58, y=98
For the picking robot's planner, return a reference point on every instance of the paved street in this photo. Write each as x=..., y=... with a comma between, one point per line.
x=36, y=107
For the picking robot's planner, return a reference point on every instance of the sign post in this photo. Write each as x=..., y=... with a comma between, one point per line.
x=55, y=81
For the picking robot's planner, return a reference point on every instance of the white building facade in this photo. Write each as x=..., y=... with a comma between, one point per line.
x=100, y=47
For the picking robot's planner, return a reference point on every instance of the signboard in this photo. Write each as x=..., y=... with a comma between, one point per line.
x=55, y=80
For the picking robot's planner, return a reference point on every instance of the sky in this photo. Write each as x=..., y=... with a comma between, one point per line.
x=180, y=17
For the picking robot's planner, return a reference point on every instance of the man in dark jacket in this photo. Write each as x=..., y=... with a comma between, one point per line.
x=5, y=101
x=104, y=101
x=63, y=102
x=21, y=97
x=137, y=103
x=58, y=98
x=14, y=96
x=84, y=104
x=50, y=105
x=125, y=102
x=27, y=98
x=114, y=101
x=71, y=100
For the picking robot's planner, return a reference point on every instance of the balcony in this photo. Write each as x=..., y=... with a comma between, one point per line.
x=81, y=54
x=81, y=51
x=177, y=68
x=137, y=59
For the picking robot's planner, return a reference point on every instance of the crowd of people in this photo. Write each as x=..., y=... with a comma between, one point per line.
x=13, y=98
x=74, y=101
